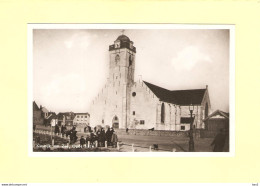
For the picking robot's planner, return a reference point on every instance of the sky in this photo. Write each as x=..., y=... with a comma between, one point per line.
x=70, y=66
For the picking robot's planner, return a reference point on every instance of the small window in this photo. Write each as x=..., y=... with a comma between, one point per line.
x=116, y=92
x=142, y=122
x=182, y=127
x=133, y=112
x=134, y=94
x=102, y=121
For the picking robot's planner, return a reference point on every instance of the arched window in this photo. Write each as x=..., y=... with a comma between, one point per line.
x=115, y=122
x=206, y=110
x=130, y=60
x=162, y=113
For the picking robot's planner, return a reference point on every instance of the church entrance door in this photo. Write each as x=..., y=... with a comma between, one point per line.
x=115, y=122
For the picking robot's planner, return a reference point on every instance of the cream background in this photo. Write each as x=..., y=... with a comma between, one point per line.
x=17, y=166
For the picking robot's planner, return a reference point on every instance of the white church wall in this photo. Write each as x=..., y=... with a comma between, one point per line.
x=142, y=107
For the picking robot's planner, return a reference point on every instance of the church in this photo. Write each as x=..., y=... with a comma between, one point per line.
x=126, y=103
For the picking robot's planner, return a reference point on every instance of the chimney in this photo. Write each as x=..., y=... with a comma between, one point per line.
x=40, y=106
x=206, y=86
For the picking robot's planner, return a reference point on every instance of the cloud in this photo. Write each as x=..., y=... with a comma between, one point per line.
x=81, y=39
x=72, y=83
x=189, y=57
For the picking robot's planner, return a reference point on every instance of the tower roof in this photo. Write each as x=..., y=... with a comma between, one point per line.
x=123, y=38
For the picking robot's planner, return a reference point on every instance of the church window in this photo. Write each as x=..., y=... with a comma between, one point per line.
x=142, y=122
x=130, y=60
x=162, y=113
x=133, y=112
x=117, y=58
x=116, y=77
x=182, y=127
x=134, y=94
x=119, y=74
x=116, y=92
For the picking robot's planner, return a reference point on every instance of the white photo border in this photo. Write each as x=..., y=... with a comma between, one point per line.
x=230, y=27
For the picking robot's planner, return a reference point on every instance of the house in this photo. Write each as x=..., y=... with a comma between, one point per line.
x=65, y=118
x=216, y=121
x=81, y=119
x=50, y=119
x=38, y=117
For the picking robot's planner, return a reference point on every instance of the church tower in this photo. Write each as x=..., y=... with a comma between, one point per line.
x=112, y=105
x=121, y=78
x=122, y=61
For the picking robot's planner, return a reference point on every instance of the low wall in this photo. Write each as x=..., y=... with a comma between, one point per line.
x=143, y=132
x=208, y=134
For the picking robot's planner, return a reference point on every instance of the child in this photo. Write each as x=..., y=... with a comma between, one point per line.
x=82, y=142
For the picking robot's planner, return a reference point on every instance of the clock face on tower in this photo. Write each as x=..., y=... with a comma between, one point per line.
x=117, y=59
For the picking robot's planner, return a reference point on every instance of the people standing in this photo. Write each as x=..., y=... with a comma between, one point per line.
x=99, y=137
x=108, y=138
x=63, y=129
x=56, y=130
x=114, y=139
x=103, y=137
x=82, y=142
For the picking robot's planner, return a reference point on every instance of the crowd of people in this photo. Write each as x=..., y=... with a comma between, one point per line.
x=101, y=137
x=98, y=135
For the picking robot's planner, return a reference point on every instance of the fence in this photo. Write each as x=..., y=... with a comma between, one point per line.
x=120, y=146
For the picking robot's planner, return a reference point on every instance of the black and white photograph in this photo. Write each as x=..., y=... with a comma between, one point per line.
x=131, y=88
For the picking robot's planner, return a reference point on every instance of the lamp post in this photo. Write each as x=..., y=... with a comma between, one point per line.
x=191, y=142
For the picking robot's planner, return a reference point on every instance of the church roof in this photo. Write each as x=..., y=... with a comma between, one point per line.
x=180, y=97
x=123, y=38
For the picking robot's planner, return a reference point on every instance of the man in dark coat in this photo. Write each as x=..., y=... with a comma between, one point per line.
x=219, y=141
x=99, y=137
x=82, y=142
x=74, y=134
x=103, y=137
x=92, y=139
x=63, y=129
x=56, y=130
x=108, y=137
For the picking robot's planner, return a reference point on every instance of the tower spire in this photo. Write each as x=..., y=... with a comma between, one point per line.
x=123, y=31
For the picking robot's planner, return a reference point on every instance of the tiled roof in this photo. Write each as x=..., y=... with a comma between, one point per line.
x=180, y=97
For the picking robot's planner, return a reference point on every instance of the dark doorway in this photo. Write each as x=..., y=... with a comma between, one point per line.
x=115, y=122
